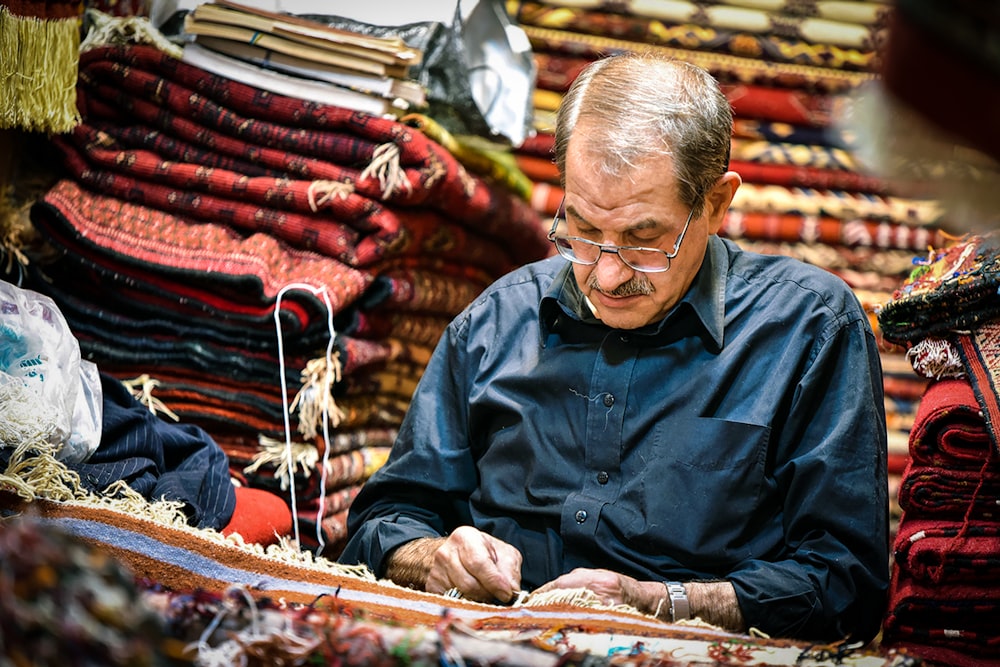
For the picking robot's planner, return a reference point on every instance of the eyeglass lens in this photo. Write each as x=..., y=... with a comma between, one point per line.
x=588, y=252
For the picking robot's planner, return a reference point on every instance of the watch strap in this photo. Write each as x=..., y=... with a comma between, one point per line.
x=680, y=607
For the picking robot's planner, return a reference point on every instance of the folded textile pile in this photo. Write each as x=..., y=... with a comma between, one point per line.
x=790, y=73
x=945, y=592
x=271, y=269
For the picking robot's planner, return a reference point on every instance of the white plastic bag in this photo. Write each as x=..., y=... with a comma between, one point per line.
x=48, y=388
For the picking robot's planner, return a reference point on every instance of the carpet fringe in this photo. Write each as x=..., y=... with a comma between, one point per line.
x=142, y=388
x=33, y=473
x=316, y=396
x=105, y=29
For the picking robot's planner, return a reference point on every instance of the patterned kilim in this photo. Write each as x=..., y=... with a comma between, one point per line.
x=727, y=68
x=179, y=559
x=812, y=22
x=791, y=106
x=937, y=492
x=838, y=204
x=956, y=290
x=768, y=129
x=791, y=227
x=955, y=297
x=929, y=550
x=809, y=177
x=952, y=624
x=799, y=155
x=949, y=431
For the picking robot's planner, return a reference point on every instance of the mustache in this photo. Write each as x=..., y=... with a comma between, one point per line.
x=636, y=286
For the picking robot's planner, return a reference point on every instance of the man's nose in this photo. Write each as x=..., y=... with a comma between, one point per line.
x=611, y=271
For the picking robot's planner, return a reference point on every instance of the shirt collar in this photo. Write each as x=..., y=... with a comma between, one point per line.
x=563, y=303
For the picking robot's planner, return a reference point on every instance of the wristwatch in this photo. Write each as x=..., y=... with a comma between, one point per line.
x=680, y=608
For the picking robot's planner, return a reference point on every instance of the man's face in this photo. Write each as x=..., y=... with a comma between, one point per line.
x=637, y=208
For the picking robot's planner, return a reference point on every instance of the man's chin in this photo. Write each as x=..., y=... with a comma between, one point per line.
x=627, y=319
x=622, y=313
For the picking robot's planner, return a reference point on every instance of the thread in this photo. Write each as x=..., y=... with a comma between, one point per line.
x=317, y=291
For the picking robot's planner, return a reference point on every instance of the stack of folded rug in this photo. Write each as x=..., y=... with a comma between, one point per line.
x=945, y=593
x=274, y=270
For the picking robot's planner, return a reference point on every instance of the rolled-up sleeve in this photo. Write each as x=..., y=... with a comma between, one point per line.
x=423, y=488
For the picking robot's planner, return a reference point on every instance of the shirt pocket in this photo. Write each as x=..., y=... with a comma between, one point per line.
x=700, y=491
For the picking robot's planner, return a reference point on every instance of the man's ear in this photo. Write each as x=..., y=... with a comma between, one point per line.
x=719, y=198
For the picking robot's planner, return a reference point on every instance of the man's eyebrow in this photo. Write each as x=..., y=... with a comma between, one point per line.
x=648, y=223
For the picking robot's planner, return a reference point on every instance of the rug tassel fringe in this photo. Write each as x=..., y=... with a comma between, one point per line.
x=324, y=191
x=273, y=453
x=316, y=396
x=33, y=473
x=106, y=30
x=142, y=388
x=386, y=168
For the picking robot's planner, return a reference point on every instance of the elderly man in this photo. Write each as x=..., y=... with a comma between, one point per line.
x=652, y=413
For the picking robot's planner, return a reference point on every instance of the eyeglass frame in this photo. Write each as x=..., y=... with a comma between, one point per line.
x=612, y=248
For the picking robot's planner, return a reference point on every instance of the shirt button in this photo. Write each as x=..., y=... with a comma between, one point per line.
x=602, y=477
x=624, y=338
x=581, y=516
x=609, y=400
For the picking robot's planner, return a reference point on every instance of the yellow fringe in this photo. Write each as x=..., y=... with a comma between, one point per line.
x=38, y=69
x=477, y=154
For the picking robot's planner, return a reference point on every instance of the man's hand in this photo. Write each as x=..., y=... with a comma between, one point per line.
x=480, y=566
x=611, y=588
x=712, y=601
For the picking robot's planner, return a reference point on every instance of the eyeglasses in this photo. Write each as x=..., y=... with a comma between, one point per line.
x=582, y=251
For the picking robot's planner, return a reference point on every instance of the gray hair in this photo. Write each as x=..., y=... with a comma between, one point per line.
x=644, y=105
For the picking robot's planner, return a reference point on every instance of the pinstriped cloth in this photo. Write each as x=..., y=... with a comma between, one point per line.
x=156, y=458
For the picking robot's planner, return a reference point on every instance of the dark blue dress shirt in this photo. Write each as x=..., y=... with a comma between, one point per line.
x=741, y=438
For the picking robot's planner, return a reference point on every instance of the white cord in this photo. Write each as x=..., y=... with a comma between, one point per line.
x=284, y=405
